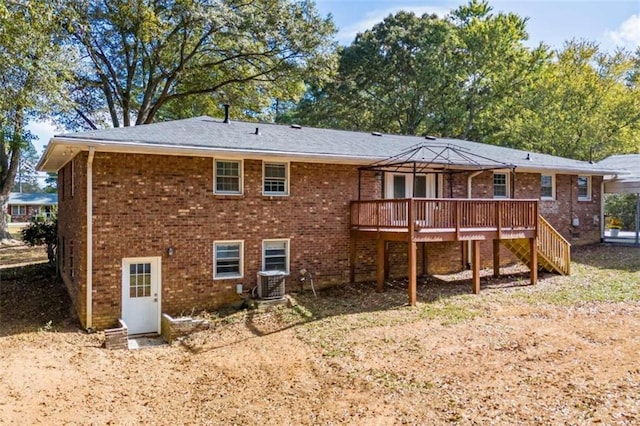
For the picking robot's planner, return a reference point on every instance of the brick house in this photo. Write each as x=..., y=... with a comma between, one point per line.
x=171, y=217
x=22, y=206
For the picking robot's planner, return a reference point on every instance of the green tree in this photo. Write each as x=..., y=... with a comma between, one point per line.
x=51, y=182
x=27, y=176
x=622, y=207
x=585, y=105
x=32, y=72
x=414, y=75
x=42, y=232
x=150, y=60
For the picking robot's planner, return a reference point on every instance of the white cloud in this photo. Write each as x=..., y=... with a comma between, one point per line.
x=348, y=34
x=627, y=34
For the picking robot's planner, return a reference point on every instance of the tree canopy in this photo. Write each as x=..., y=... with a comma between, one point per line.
x=470, y=75
x=150, y=60
x=32, y=70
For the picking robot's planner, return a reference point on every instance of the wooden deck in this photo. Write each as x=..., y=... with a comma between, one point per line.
x=431, y=220
x=417, y=220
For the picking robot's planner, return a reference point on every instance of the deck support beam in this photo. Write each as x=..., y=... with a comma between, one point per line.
x=413, y=284
x=475, y=264
x=533, y=259
x=496, y=258
x=380, y=264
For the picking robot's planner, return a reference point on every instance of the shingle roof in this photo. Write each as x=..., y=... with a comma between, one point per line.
x=239, y=137
x=33, y=199
x=629, y=180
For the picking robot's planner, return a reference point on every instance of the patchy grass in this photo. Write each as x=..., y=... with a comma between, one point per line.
x=559, y=352
x=599, y=274
x=21, y=255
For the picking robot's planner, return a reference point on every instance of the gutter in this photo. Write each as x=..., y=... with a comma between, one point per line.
x=140, y=147
x=89, y=324
x=602, y=227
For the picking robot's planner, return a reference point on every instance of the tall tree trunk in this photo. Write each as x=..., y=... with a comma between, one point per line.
x=9, y=144
x=4, y=229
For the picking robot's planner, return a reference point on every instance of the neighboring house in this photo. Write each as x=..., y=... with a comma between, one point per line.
x=23, y=206
x=170, y=217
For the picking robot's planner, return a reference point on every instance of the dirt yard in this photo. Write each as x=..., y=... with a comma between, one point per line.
x=565, y=351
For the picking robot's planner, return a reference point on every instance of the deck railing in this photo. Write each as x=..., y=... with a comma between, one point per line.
x=444, y=214
x=554, y=247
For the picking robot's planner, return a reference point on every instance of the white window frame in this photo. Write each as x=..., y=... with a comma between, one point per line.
x=286, y=178
x=240, y=176
x=287, y=247
x=433, y=187
x=19, y=207
x=553, y=187
x=588, y=197
x=216, y=276
x=506, y=183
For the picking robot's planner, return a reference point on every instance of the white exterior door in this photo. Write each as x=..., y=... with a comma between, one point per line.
x=141, y=294
x=401, y=186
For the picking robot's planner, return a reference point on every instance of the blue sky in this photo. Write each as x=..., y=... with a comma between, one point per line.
x=613, y=24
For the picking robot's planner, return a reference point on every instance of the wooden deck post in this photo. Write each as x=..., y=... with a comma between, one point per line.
x=476, y=266
x=352, y=259
x=413, y=284
x=380, y=264
x=496, y=258
x=533, y=259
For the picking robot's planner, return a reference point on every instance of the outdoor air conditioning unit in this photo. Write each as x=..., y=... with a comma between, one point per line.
x=271, y=284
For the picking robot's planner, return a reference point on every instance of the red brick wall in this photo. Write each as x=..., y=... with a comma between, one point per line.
x=143, y=204
x=72, y=228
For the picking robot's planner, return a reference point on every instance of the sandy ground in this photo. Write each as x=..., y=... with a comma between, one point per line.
x=351, y=356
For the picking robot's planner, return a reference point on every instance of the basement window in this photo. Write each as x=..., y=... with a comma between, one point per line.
x=227, y=259
x=275, y=255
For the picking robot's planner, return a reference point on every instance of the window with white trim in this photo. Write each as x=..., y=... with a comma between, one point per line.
x=228, y=177
x=275, y=255
x=500, y=185
x=275, y=178
x=584, y=188
x=18, y=210
x=228, y=259
x=547, y=187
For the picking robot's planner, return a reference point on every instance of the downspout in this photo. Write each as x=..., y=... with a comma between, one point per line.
x=602, y=201
x=90, y=238
x=469, y=178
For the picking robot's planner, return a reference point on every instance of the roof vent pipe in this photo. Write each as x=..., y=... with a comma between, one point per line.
x=257, y=132
x=226, y=114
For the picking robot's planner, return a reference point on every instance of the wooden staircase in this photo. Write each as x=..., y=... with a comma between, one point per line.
x=554, y=251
